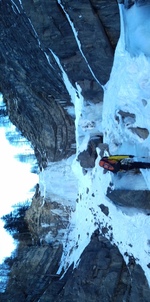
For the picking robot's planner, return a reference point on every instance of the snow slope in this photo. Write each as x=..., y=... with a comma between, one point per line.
x=128, y=90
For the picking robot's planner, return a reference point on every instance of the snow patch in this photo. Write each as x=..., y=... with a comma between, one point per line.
x=59, y=183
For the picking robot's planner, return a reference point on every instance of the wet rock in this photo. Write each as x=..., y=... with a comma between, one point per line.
x=104, y=209
x=103, y=147
x=141, y=132
x=87, y=157
x=126, y=117
x=130, y=198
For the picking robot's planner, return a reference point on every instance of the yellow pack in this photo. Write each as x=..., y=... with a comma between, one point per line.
x=119, y=157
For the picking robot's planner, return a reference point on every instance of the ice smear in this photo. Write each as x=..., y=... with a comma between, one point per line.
x=137, y=29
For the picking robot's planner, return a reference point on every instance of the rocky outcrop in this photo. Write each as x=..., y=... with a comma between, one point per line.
x=33, y=270
x=47, y=221
x=87, y=157
x=31, y=80
x=102, y=275
x=139, y=199
x=141, y=132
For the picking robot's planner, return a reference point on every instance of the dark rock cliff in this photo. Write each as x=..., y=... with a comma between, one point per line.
x=37, y=99
x=102, y=275
x=31, y=80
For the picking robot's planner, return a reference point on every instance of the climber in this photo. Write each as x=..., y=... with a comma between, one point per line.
x=118, y=163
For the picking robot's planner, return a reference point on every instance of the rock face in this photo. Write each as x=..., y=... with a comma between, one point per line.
x=102, y=275
x=47, y=221
x=131, y=198
x=31, y=81
x=87, y=157
x=39, y=38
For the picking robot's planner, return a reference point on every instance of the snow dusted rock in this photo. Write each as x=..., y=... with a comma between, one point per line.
x=102, y=275
x=127, y=117
x=131, y=198
x=87, y=157
x=104, y=209
x=31, y=79
x=47, y=221
x=141, y=132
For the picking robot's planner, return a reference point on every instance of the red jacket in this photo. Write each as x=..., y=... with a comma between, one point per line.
x=112, y=165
